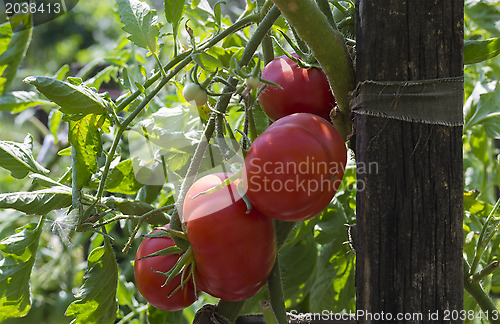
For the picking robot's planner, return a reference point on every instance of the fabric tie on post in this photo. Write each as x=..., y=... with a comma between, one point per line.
x=432, y=101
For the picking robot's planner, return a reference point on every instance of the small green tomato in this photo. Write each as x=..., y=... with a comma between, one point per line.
x=193, y=92
x=252, y=82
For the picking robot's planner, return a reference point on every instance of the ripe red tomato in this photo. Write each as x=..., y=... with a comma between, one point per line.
x=294, y=168
x=149, y=283
x=234, y=251
x=303, y=90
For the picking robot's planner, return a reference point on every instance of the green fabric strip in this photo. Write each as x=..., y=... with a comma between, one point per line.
x=433, y=101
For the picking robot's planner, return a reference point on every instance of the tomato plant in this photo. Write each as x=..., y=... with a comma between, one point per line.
x=113, y=153
x=294, y=168
x=234, y=250
x=302, y=90
x=151, y=283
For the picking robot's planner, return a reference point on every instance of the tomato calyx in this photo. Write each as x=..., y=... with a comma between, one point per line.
x=184, y=267
x=166, y=251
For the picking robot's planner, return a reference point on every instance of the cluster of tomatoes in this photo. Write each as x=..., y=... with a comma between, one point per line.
x=291, y=172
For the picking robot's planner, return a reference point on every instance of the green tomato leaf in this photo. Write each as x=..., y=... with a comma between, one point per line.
x=297, y=263
x=37, y=202
x=96, y=301
x=333, y=287
x=218, y=13
x=73, y=99
x=135, y=207
x=127, y=206
x=223, y=55
x=13, y=47
x=44, y=181
x=331, y=226
x=85, y=138
x=18, y=158
x=149, y=193
x=19, y=251
x=164, y=143
x=491, y=221
x=122, y=179
x=62, y=73
x=141, y=22
x=483, y=108
x=485, y=14
x=174, y=9
x=156, y=315
x=55, y=118
x=18, y=101
x=478, y=51
x=207, y=62
x=125, y=291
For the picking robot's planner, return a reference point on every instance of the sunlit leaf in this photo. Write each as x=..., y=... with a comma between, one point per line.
x=174, y=9
x=483, y=107
x=17, y=101
x=122, y=179
x=73, y=99
x=484, y=14
x=141, y=22
x=19, y=252
x=37, y=202
x=483, y=210
x=207, y=62
x=478, y=51
x=85, y=138
x=11, y=53
x=298, y=262
x=96, y=301
x=333, y=288
x=18, y=158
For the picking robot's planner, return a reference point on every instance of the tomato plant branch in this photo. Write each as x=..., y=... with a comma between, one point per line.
x=328, y=47
x=482, y=241
x=133, y=313
x=480, y=296
x=489, y=269
x=275, y=286
x=230, y=310
x=142, y=219
x=252, y=45
x=117, y=218
x=324, y=6
x=175, y=222
x=267, y=311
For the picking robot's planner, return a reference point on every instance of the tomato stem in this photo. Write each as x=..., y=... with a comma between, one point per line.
x=489, y=269
x=267, y=311
x=480, y=296
x=484, y=238
x=324, y=6
x=275, y=285
x=142, y=219
x=230, y=310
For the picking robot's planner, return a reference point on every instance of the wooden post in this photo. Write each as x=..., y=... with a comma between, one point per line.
x=409, y=215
